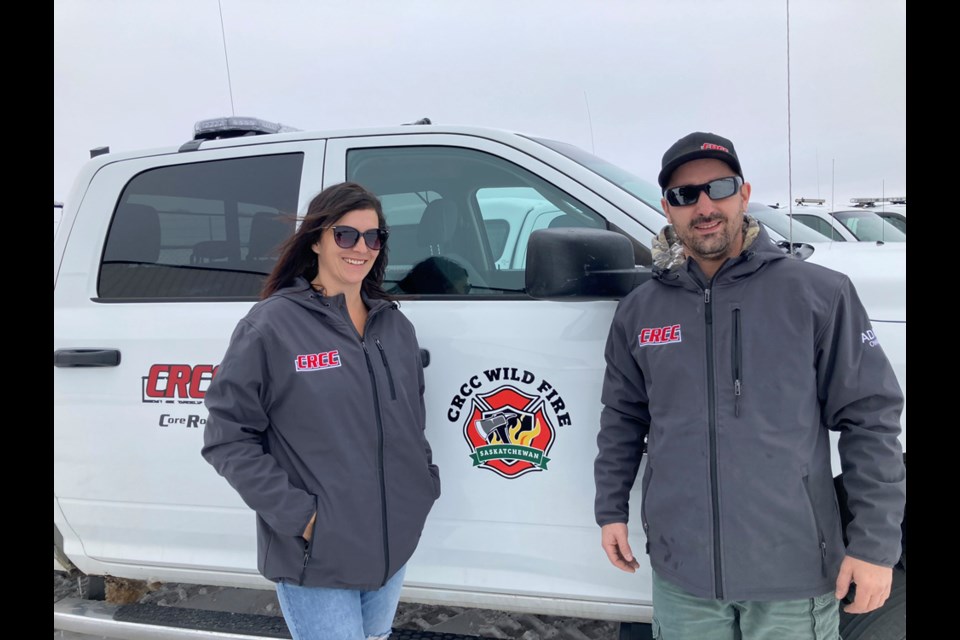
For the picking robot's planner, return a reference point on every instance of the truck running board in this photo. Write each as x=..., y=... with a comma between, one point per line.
x=154, y=622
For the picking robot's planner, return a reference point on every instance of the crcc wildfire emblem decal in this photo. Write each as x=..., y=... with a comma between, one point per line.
x=509, y=432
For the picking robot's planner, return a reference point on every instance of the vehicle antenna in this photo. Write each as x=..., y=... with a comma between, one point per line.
x=789, y=148
x=226, y=59
x=593, y=148
x=833, y=162
x=883, y=198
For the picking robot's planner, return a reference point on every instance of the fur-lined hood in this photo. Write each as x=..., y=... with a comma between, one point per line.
x=668, y=250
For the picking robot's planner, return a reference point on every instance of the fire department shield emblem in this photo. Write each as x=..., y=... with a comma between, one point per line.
x=509, y=432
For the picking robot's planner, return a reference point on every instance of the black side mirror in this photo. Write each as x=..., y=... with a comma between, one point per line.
x=581, y=262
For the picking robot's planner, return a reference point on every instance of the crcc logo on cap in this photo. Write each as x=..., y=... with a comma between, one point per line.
x=714, y=147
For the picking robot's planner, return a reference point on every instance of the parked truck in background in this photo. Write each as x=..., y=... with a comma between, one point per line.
x=159, y=253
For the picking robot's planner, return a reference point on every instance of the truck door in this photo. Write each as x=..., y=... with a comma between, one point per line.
x=513, y=383
x=165, y=256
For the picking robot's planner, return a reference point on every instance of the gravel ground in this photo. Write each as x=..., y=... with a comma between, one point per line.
x=479, y=622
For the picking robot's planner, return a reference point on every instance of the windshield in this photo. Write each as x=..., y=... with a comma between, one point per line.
x=867, y=225
x=642, y=189
x=650, y=194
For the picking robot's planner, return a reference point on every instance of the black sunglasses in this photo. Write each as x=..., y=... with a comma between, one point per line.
x=348, y=237
x=718, y=189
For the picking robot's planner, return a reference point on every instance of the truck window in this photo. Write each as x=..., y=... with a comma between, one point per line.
x=820, y=225
x=205, y=230
x=460, y=219
x=511, y=214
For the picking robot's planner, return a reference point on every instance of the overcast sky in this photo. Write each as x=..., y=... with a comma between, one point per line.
x=621, y=78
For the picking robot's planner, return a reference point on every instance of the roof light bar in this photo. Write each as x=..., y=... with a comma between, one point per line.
x=866, y=202
x=235, y=126
x=810, y=200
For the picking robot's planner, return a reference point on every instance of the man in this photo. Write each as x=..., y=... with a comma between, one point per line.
x=729, y=367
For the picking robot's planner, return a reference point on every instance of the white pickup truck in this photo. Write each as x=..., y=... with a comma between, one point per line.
x=160, y=252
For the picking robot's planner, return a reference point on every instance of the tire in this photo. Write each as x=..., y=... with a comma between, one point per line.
x=889, y=622
x=91, y=587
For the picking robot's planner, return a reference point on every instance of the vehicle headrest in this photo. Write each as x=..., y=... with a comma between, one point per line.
x=267, y=232
x=438, y=223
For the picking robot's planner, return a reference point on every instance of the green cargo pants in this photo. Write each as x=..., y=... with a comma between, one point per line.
x=677, y=615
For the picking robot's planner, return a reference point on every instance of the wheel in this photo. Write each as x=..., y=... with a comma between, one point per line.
x=889, y=622
x=91, y=587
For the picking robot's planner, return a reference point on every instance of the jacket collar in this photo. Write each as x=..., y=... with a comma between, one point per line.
x=670, y=259
x=303, y=294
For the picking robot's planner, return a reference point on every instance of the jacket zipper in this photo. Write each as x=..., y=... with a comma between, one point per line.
x=386, y=365
x=816, y=523
x=306, y=558
x=737, y=363
x=380, y=472
x=712, y=431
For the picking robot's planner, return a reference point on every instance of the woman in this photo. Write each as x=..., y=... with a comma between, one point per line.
x=316, y=418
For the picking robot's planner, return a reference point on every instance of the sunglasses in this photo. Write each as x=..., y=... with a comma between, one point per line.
x=718, y=189
x=348, y=237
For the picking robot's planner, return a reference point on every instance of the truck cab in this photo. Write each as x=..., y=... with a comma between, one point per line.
x=161, y=252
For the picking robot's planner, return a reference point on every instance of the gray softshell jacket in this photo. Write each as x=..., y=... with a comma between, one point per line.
x=735, y=383
x=306, y=416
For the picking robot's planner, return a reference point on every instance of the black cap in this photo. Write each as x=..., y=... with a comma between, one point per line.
x=693, y=147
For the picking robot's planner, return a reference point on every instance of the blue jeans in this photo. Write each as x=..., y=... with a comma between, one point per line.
x=319, y=613
x=678, y=615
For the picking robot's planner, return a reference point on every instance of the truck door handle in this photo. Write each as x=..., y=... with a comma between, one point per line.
x=86, y=357
x=424, y=358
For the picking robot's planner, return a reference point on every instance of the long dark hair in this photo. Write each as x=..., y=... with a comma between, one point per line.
x=296, y=254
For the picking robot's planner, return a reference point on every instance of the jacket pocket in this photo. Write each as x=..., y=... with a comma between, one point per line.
x=644, y=490
x=308, y=544
x=821, y=541
x=736, y=360
x=386, y=368
x=434, y=472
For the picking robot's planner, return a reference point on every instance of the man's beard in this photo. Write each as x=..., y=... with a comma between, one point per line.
x=712, y=247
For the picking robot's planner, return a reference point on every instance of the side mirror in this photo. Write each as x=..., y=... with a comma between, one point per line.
x=581, y=262
x=800, y=250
